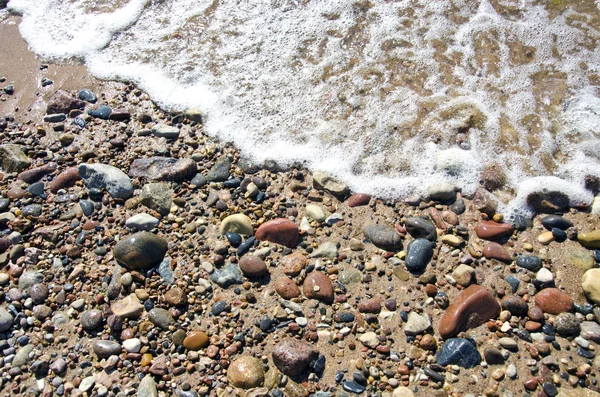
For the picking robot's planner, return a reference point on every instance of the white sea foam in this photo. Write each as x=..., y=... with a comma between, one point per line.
x=390, y=96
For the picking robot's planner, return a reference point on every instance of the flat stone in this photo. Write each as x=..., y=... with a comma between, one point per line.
x=141, y=250
x=252, y=266
x=12, y=158
x=452, y=240
x=580, y=257
x=65, y=179
x=485, y=202
x=246, y=372
x=196, y=340
x=325, y=250
x=293, y=357
x=421, y=228
x=552, y=221
x=326, y=182
x=142, y=222
x=554, y=301
x=496, y=251
x=372, y=305
x=493, y=356
x=508, y=343
x=473, y=306
x=490, y=230
x=157, y=197
x=458, y=351
x=416, y=324
x=128, y=307
x=163, y=169
x=384, y=237
x=369, y=339
x=315, y=212
x=176, y=296
x=590, y=282
x=160, y=317
x=237, y=223
x=227, y=276
x=418, y=254
x=293, y=263
x=358, y=200
x=102, y=176
x=220, y=171
x=35, y=174
x=280, y=231
x=87, y=95
x=147, y=387
x=317, y=285
x=165, y=131
x=529, y=262
x=63, y=102
x=589, y=239
x=106, y=348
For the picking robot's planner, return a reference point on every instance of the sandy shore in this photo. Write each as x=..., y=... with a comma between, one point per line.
x=377, y=325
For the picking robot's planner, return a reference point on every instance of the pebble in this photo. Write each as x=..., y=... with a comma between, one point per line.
x=353, y=387
x=132, y=345
x=323, y=181
x=463, y=274
x=383, y=237
x=106, y=348
x=544, y=276
x=12, y=158
x=443, y=192
x=490, y=230
x=128, y=307
x=493, y=356
x=293, y=357
x=196, y=340
x=589, y=239
x=65, y=179
x=102, y=176
x=176, y=296
x=325, y=250
x=160, y=317
x=458, y=351
x=91, y=319
x=141, y=250
x=87, y=95
x=529, y=262
x=421, y=228
x=166, y=131
x=419, y=253
x=567, y=324
x=157, y=197
x=6, y=320
x=496, y=251
x=369, y=339
x=220, y=171
x=246, y=372
x=358, y=200
x=514, y=304
x=590, y=330
x=237, y=223
x=556, y=221
x=287, y=288
x=508, y=343
x=590, y=283
x=416, y=324
x=553, y=301
x=227, y=276
x=252, y=266
x=315, y=212
x=280, y=231
x=317, y=285
x=473, y=306
x=163, y=168
x=147, y=387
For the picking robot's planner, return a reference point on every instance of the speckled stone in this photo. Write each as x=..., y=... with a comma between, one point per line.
x=141, y=250
x=554, y=301
x=106, y=348
x=293, y=357
x=317, y=285
x=237, y=223
x=91, y=319
x=458, y=351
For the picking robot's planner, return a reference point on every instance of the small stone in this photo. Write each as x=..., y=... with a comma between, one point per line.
x=496, y=251
x=325, y=250
x=443, y=192
x=544, y=276
x=165, y=131
x=287, y=288
x=87, y=95
x=196, y=340
x=142, y=222
x=421, y=228
x=554, y=301
x=141, y=250
x=590, y=283
x=160, y=317
x=63, y=102
x=293, y=357
x=590, y=239
x=567, y=324
x=490, y=230
x=474, y=306
x=101, y=112
x=6, y=320
x=326, y=182
x=529, y=262
x=463, y=274
x=147, y=387
x=315, y=212
x=128, y=307
x=372, y=306
x=419, y=253
x=452, y=240
x=416, y=324
x=91, y=319
x=246, y=372
x=514, y=304
x=293, y=264
x=163, y=169
x=237, y=223
x=220, y=171
x=358, y=200
x=317, y=285
x=157, y=197
x=383, y=237
x=227, y=276
x=252, y=266
x=552, y=221
x=102, y=176
x=458, y=351
x=369, y=339
x=493, y=356
x=132, y=345
x=590, y=330
x=280, y=231
x=176, y=296
x=65, y=179
x=106, y=348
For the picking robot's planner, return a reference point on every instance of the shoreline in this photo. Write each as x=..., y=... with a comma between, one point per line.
x=373, y=344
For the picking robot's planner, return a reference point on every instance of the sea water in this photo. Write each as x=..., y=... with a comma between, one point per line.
x=390, y=96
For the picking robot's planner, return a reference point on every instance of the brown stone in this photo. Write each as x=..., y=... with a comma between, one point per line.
x=63, y=102
x=65, y=179
x=496, y=251
x=163, y=168
x=293, y=263
x=293, y=357
x=253, y=266
x=120, y=114
x=317, y=285
x=280, y=231
x=35, y=174
x=287, y=288
x=246, y=372
x=484, y=202
x=372, y=305
x=531, y=384
x=535, y=314
x=358, y=199
x=490, y=230
x=15, y=193
x=176, y=297
x=554, y=301
x=532, y=326
x=514, y=304
x=431, y=290
x=474, y=306
x=196, y=340
x=428, y=342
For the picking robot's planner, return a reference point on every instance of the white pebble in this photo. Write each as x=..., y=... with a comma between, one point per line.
x=544, y=276
x=132, y=345
x=301, y=321
x=511, y=371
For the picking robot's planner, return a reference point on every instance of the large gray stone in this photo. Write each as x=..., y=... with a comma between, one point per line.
x=102, y=176
x=163, y=168
x=157, y=197
x=13, y=158
x=6, y=320
x=141, y=250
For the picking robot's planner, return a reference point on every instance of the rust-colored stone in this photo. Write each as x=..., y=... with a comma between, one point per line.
x=474, y=306
x=280, y=231
x=490, y=230
x=317, y=285
x=496, y=251
x=65, y=179
x=358, y=199
x=554, y=301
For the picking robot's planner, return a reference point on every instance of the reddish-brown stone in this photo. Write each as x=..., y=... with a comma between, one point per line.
x=490, y=230
x=35, y=174
x=253, y=266
x=554, y=301
x=358, y=199
x=533, y=326
x=4, y=244
x=120, y=114
x=474, y=306
x=293, y=263
x=65, y=179
x=496, y=251
x=317, y=285
x=287, y=288
x=196, y=340
x=535, y=314
x=531, y=384
x=372, y=305
x=63, y=102
x=281, y=231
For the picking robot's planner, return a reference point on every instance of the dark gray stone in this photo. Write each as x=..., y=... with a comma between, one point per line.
x=418, y=255
x=106, y=348
x=220, y=171
x=160, y=317
x=458, y=351
x=384, y=237
x=421, y=228
x=556, y=221
x=141, y=250
x=529, y=262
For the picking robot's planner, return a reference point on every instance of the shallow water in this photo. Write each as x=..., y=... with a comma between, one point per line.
x=390, y=96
